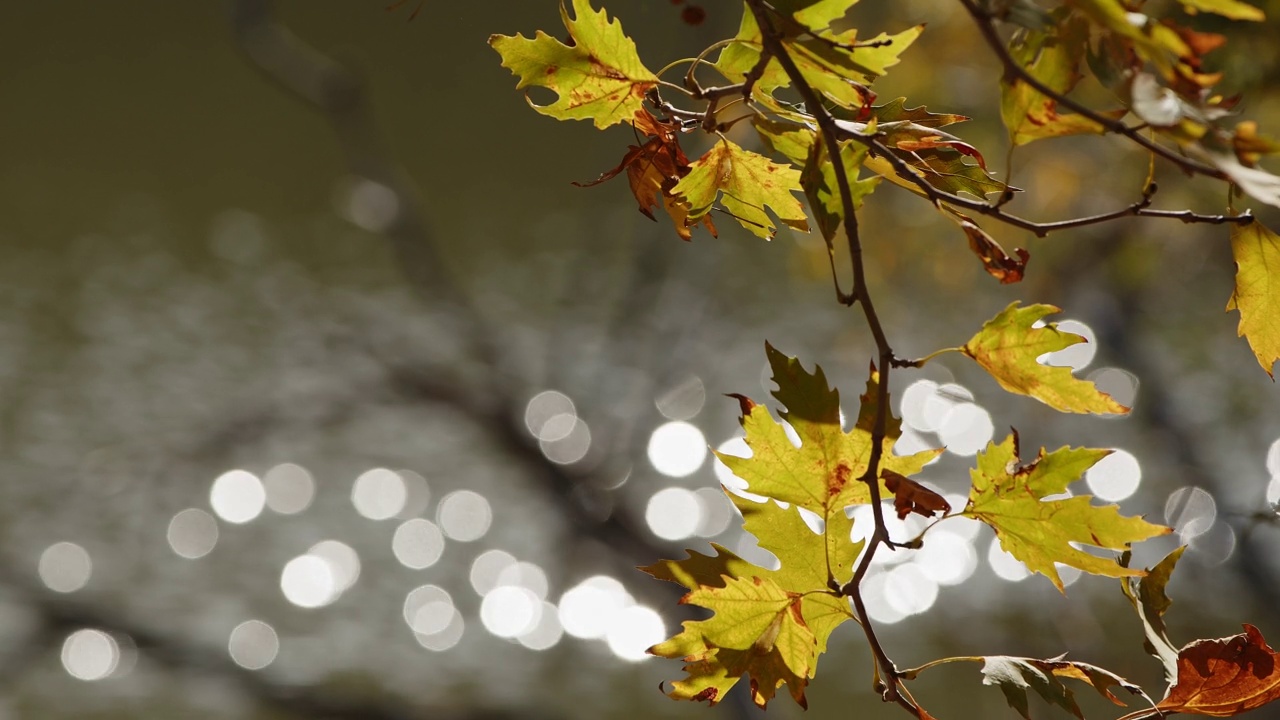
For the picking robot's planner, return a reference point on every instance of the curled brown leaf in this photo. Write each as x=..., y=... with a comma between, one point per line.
x=1225, y=677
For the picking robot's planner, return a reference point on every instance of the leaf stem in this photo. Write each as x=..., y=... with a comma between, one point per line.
x=913, y=672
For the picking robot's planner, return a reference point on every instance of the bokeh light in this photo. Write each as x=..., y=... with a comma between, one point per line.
x=487, y=568
x=253, y=645
x=1004, y=565
x=509, y=611
x=587, y=610
x=673, y=513
x=636, y=629
x=567, y=439
x=1190, y=511
x=1078, y=356
x=64, y=567
x=379, y=494
x=1115, y=477
x=464, y=515
x=947, y=558
x=192, y=534
x=90, y=654
x=307, y=581
x=289, y=488
x=677, y=449
x=545, y=406
x=417, y=543
x=966, y=429
x=683, y=401
x=237, y=496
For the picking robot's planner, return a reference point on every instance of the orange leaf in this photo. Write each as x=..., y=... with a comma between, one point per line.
x=910, y=496
x=1225, y=677
x=995, y=260
x=653, y=169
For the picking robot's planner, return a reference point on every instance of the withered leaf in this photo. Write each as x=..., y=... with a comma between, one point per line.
x=910, y=496
x=1225, y=677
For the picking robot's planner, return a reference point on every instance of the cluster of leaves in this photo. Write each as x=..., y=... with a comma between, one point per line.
x=833, y=149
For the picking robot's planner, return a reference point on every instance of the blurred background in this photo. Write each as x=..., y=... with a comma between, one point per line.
x=323, y=394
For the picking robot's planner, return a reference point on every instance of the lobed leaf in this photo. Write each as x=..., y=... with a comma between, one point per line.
x=757, y=630
x=1234, y=9
x=598, y=77
x=1015, y=675
x=1256, y=250
x=1225, y=677
x=1007, y=347
x=745, y=183
x=1009, y=497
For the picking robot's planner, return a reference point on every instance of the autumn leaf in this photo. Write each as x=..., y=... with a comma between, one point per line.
x=1051, y=56
x=1225, y=677
x=1234, y=9
x=995, y=260
x=757, y=630
x=653, y=169
x=598, y=76
x=1007, y=347
x=1009, y=497
x=822, y=474
x=910, y=496
x=746, y=183
x=1256, y=250
x=1015, y=675
x=1148, y=598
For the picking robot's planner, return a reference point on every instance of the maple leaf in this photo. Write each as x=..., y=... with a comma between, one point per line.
x=835, y=64
x=809, y=563
x=598, y=76
x=804, y=147
x=1016, y=675
x=746, y=183
x=822, y=474
x=653, y=169
x=1007, y=347
x=1148, y=598
x=1053, y=57
x=1225, y=677
x=1256, y=250
x=1009, y=497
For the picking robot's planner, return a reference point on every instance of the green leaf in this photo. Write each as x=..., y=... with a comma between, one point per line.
x=1009, y=497
x=1052, y=57
x=1256, y=250
x=1015, y=675
x=815, y=14
x=822, y=189
x=599, y=77
x=1233, y=9
x=1148, y=598
x=746, y=183
x=1007, y=347
x=822, y=474
x=757, y=630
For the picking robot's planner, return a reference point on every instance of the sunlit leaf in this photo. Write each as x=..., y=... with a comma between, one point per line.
x=910, y=496
x=998, y=263
x=1007, y=347
x=1016, y=675
x=1051, y=56
x=745, y=183
x=1234, y=9
x=1225, y=677
x=598, y=77
x=1256, y=250
x=822, y=474
x=1009, y=497
x=822, y=189
x=757, y=630
x=1149, y=599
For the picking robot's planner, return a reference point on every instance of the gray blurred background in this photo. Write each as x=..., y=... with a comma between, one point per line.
x=323, y=393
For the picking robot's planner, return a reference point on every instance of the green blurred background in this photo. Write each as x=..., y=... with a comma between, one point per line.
x=199, y=280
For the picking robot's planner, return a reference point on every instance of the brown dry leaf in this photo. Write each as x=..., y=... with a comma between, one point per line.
x=995, y=260
x=653, y=169
x=1225, y=677
x=910, y=496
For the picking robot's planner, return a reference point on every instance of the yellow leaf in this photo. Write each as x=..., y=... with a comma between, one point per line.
x=1007, y=347
x=1257, y=295
x=599, y=77
x=1009, y=497
x=746, y=183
